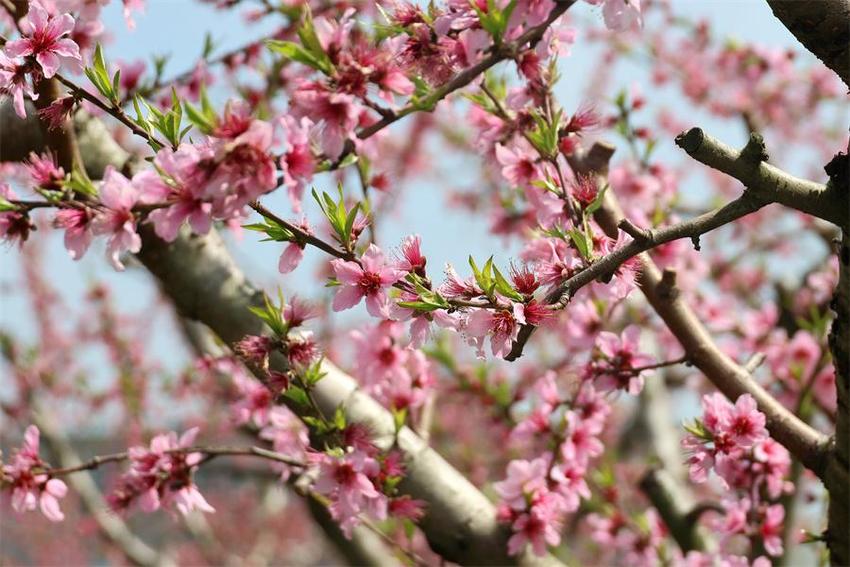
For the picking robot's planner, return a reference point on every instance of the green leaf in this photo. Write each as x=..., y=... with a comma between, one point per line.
x=99, y=76
x=298, y=395
x=294, y=52
x=341, y=220
x=116, y=80
x=314, y=374
x=419, y=306
x=80, y=183
x=209, y=46
x=580, y=240
x=6, y=206
x=399, y=418
x=505, y=288
x=271, y=315
x=339, y=420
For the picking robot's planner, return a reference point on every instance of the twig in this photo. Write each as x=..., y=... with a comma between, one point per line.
x=114, y=111
x=648, y=239
x=209, y=452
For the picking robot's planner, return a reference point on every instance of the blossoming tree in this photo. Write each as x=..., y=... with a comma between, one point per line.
x=527, y=408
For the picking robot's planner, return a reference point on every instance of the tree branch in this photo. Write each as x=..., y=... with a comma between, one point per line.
x=203, y=281
x=767, y=182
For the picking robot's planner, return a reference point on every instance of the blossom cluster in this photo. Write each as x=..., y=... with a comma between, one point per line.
x=358, y=479
x=161, y=476
x=396, y=374
x=194, y=184
x=537, y=495
x=45, y=45
x=732, y=441
x=27, y=478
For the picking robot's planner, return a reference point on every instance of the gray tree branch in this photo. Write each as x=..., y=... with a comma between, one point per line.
x=767, y=182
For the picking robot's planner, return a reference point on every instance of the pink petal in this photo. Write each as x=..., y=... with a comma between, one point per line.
x=373, y=259
x=62, y=25
x=18, y=48
x=290, y=258
x=50, y=508
x=377, y=304
x=346, y=297
x=56, y=487
x=149, y=501
x=189, y=436
x=347, y=272
x=49, y=63
x=31, y=440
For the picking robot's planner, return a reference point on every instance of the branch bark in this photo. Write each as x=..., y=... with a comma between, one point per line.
x=823, y=27
x=837, y=477
x=770, y=183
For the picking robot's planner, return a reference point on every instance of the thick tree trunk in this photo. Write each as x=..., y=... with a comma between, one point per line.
x=837, y=478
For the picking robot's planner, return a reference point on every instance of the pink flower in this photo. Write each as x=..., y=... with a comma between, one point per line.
x=346, y=482
x=406, y=507
x=380, y=356
x=524, y=482
x=78, y=230
x=539, y=527
x=31, y=488
x=293, y=252
x=297, y=163
x=131, y=74
x=57, y=113
x=118, y=197
x=254, y=401
x=337, y=113
x=255, y=349
x=771, y=529
x=412, y=260
x=131, y=6
x=44, y=39
x=182, y=184
x=244, y=169
x=622, y=15
x=162, y=476
x=775, y=462
x=13, y=81
x=502, y=326
x=745, y=423
x=44, y=171
x=728, y=440
x=287, y=434
x=368, y=279
x=290, y=257
x=620, y=355
x=13, y=224
x=518, y=165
